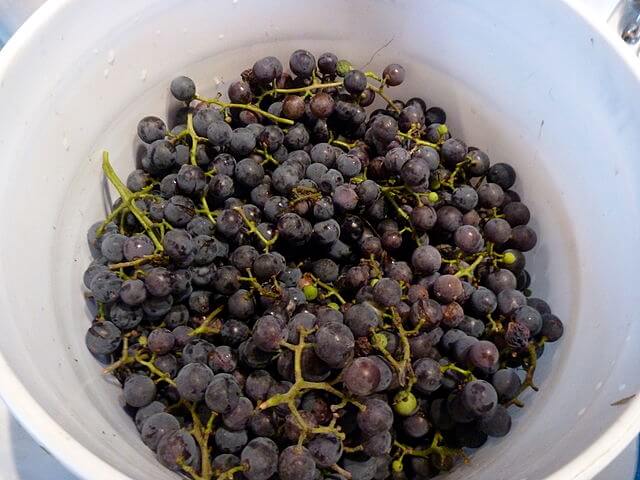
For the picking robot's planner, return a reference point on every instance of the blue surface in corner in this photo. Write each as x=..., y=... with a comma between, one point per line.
x=637, y=475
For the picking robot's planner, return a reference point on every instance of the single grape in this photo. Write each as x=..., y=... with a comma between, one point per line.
x=509, y=300
x=296, y=463
x=497, y=230
x=237, y=418
x=480, y=398
x=516, y=213
x=325, y=449
x=362, y=376
x=178, y=448
x=151, y=129
x=161, y=341
x=103, y=338
x=502, y=174
x=552, y=327
x=523, y=238
x=498, y=424
x=183, y=88
x=393, y=74
x=361, y=318
x=192, y=381
x=387, y=292
x=261, y=458
x=483, y=355
x=139, y=390
x=428, y=375
x=268, y=333
x=334, y=344
x=378, y=444
x=506, y=383
x=229, y=441
x=302, y=63
x=157, y=426
x=415, y=426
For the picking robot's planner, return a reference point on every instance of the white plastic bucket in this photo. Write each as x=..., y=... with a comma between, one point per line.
x=532, y=83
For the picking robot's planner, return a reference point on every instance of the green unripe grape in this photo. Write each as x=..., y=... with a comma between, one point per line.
x=310, y=292
x=508, y=258
x=405, y=403
x=433, y=197
x=397, y=466
x=342, y=67
x=380, y=340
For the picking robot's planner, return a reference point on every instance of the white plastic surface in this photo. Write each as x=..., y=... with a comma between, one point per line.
x=532, y=83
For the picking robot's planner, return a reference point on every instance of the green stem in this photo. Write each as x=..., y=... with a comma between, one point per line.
x=248, y=106
x=308, y=88
x=207, y=210
x=470, y=270
x=254, y=229
x=454, y=368
x=418, y=141
x=229, y=474
x=137, y=261
x=528, y=381
x=162, y=376
x=128, y=199
x=331, y=292
x=206, y=327
x=300, y=385
x=202, y=439
x=384, y=96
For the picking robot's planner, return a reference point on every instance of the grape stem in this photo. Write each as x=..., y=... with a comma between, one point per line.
x=229, y=474
x=454, y=368
x=206, y=210
x=123, y=360
x=528, y=381
x=417, y=141
x=208, y=326
x=101, y=314
x=450, y=181
x=257, y=286
x=434, y=449
x=138, y=261
x=389, y=196
x=331, y=291
x=194, y=139
x=254, y=229
x=128, y=199
x=300, y=385
x=469, y=271
x=248, y=106
x=162, y=376
x=314, y=86
x=268, y=158
x=494, y=326
x=201, y=435
x=341, y=471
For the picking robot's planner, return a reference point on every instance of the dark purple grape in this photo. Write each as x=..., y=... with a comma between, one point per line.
x=480, y=398
x=552, y=327
x=362, y=376
x=484, y=355
x=296, y=463
x=261, y=458
x=178, y=448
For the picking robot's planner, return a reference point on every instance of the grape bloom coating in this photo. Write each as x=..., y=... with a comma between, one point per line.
x=293, y=287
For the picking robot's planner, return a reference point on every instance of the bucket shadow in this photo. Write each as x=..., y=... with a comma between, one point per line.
x=32, y=462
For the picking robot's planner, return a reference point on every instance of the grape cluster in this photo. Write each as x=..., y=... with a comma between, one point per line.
x=289, y=287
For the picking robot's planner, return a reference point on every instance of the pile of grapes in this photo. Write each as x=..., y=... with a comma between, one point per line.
x=289, y=287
